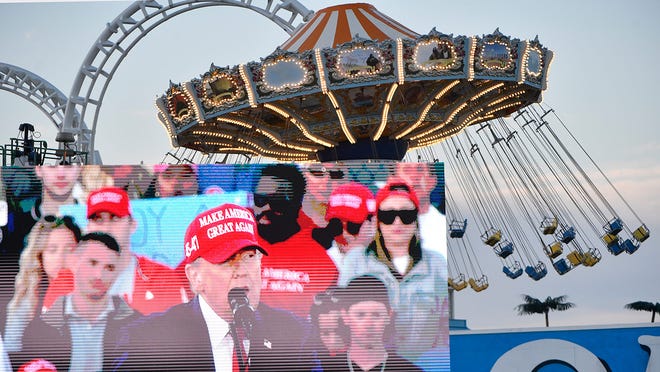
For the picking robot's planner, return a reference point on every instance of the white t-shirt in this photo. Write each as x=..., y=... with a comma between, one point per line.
x=336, y=255
x=401, y=264
x=125, y=282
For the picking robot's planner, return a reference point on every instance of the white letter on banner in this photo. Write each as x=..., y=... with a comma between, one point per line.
x=528, y=356
x=653, y=343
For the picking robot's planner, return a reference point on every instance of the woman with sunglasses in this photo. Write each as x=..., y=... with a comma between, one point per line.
x=416, y=279
x=45, y=257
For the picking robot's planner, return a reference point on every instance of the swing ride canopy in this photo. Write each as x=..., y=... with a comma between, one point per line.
x=352, y=83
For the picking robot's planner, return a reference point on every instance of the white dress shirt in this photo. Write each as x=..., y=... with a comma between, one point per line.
x=222, y=343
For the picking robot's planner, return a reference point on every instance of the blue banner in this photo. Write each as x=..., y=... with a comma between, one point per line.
x=162, y=223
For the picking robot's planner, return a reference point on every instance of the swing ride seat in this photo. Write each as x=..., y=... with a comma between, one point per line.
x=457, y=228
x=610, y=239
x=630, y=246
x=536, y=272
x=479, y=284
x=513, y=272
x=504, y=249
x=491, y=237
x=566, y=235
x=613, y=244
x=553, y=250
x=615, y=248
x=459, y=283
x=562, y=266
x=591, y=257
x=549, y=225
x=642, y=233
x=614, y=226
x=575, y=258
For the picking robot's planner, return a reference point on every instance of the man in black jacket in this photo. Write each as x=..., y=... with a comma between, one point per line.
x=367, y=314
x=225, y=327
x=80, y=330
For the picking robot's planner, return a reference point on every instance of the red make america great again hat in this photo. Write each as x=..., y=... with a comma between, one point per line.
x=108, y=199
x=350, y=202
x=219, y=233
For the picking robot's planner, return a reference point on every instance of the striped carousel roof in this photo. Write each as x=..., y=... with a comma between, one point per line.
x=335, y=25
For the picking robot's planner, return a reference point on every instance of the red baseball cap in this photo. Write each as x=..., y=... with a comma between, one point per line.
x=350, y=202
x=219, y=233
x=38, y=365
x=113, y=200
x=396, y=186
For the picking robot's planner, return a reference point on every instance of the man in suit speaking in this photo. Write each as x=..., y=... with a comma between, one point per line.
x=225, y=327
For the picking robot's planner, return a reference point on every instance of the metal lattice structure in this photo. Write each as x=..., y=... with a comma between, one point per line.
x=124, y=32
x=38, y=91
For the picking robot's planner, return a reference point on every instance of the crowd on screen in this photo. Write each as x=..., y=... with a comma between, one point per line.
x=321, y=269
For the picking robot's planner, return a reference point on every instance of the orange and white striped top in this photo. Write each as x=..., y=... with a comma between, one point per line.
x=336, y=25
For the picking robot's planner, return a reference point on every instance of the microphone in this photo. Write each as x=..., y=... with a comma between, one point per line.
x=243, y=313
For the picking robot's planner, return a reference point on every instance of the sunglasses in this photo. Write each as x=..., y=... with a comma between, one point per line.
x=55, y=221
x=407, y=216
x=334, y=174
x=277, y=202
x=352, y=227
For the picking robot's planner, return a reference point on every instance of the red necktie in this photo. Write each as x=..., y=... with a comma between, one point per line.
x=234, y=362
x=238, y=334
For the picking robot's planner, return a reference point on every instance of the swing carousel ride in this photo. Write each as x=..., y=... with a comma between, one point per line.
x=352, y=83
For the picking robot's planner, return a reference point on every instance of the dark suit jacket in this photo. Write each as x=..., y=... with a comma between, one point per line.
x=49, y=336
x=178, y=340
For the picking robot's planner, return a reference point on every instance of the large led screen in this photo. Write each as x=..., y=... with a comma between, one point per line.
x=266, y=267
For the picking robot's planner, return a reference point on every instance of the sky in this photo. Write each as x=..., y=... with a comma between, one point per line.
x=603, y=85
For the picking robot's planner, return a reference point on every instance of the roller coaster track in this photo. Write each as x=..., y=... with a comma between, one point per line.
x=38, y=91
x=124, y=32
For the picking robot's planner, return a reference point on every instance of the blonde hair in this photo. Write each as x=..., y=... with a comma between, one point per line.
x=95, y=177
x=31, y=268
x=26, y=286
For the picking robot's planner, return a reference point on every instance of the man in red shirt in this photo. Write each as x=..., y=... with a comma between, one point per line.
x=297, y=267
x=320, y=180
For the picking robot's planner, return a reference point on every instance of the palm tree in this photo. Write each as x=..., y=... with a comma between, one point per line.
x=645, y=306
x=535, y=306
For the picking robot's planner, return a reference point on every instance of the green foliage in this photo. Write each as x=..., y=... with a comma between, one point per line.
x=535, y=306
x=645, y=306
